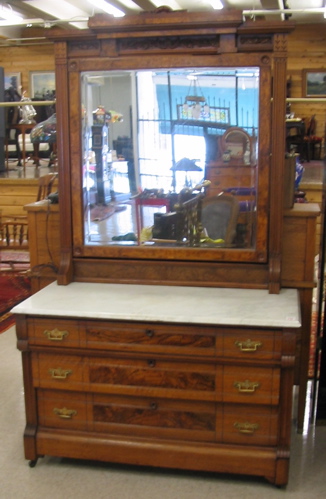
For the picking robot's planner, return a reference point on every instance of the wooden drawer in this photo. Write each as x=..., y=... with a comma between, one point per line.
x=251, y=385
x=250, y=425
x=65, y=372
x=67, y=410
x=222, y=181
x=158, y=418
x=252, y=345
x=53, y=332
x=135, y=337
x=155, y=417
x=155, y=377
x=127, y=376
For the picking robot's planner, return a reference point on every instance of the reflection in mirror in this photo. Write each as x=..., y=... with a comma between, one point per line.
x=159, y=147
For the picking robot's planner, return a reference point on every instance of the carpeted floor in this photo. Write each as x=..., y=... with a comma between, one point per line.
x=14, y=260
x=14, y=288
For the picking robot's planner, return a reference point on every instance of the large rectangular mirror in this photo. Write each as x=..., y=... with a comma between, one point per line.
x=170, y=158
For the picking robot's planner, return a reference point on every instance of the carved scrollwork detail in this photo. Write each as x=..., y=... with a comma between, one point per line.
x=255, y=39
x=167, y=43
x=255, y=42
x=85, y=46
x=266, y=60
x=280, y=43
x=73, y=66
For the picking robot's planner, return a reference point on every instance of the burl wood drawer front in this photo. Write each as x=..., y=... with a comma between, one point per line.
x=251, y=385
x=65, y=372
x=53, y=332
x=67, y=410
x=150, y=338
x=250, y=425
x=155, y=417
x=252, y=345
x=153, y=376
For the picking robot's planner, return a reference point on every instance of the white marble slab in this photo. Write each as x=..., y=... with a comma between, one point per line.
x=194, y=305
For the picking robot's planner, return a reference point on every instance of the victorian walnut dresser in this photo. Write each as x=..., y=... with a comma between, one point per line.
x=175, y=349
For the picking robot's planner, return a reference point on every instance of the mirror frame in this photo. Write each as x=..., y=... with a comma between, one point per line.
x=125, y=43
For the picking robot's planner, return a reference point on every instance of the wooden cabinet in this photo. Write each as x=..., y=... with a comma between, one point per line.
x=225, y=176
x=201, y=394
x=298, y=271
x=44, y=242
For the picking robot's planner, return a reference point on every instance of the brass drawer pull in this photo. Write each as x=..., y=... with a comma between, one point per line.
x=246, y=386
x=55, y=334
x=64, y=413
x=60, y=373
x=248, y=428
x=150, y=333
x=248, y=345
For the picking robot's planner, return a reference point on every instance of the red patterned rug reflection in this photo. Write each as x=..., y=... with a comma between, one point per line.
x=14, y=288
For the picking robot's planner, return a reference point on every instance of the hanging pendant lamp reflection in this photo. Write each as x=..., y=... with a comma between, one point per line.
x=195, y=105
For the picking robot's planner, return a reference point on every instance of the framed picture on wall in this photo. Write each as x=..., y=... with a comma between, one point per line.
x=13, y=80
x=42, y=84
x=314, y=83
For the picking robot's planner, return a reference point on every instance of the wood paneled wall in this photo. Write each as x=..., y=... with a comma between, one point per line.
x=307, y=50
x=23, y=59
x=306, y=47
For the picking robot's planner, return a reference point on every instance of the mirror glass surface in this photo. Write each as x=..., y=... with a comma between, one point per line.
x=170, y=158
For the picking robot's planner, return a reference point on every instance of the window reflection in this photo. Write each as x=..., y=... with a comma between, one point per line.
x=167, y=155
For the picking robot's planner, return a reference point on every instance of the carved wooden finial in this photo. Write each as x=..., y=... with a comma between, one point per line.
x=163, y=9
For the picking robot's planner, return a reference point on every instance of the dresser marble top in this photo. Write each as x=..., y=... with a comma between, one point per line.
x=193, y=305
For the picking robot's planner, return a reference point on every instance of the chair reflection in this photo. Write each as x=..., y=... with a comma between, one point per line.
x=219, y=217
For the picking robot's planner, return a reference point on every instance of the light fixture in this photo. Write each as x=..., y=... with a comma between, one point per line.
x=60, y=10
x=23, y=22
x=131, y=5
x=195, y=106
x=187, y=165
x=9, y=16
x=106, y=7
x=216, y=4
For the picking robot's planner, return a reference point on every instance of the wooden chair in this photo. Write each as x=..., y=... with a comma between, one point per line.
x=14, y=229
x=45, y=185
x=14, y=234
x=313, y=142
x=295, y=138
x=14, y=244
x=11, y=138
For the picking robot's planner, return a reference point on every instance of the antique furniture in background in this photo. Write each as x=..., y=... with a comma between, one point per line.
x=298, y=271
x=44, y=242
